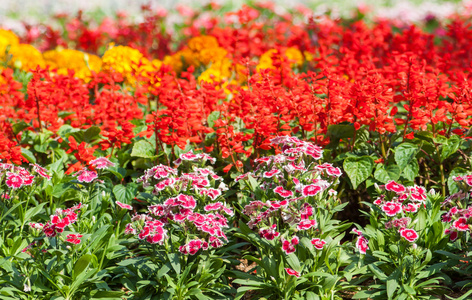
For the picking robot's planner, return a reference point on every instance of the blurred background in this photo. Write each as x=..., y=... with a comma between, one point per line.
x=13, y=12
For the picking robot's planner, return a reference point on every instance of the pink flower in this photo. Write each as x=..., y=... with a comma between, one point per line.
x=306, y=224
x=270, y=233
x=395, y=187
x=453, y=234
x=332, y=171
x=461, y=224
x=378, y=201
x=318, y=243
x=101, y=163
x=74, y=238
x=410, y=208
x=289, y=246
x=271, y=173
x=310, y=190
x=418, y=193
x=358, y=232
x=123, y=205
x=392, y=208
x=292, y=272
x=14, y=181
x=409, y=234
x=362, y=244
x=43, y=172
x=282, y=192
x=86, y=175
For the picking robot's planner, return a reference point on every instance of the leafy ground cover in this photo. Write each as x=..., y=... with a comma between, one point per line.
x=245, y=155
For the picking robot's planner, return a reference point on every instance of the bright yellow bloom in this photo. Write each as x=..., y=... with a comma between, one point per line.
x=124, y=60
x=7, y=38
x=199, y=43
x=294, y=55
x=25, y=57
x=211, y=55
x=69, y=59
x=265, y=62
x=181, y=59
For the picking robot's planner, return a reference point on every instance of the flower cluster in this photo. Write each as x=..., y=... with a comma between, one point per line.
x=192, y=205
x=297, y=187
x=459, y=215
x=17, y=177
x=58, y=222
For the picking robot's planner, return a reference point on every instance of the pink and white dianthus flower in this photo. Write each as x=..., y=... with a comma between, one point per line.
x=318, y=243
x=362, y=244
x=292, y=272
x=289, y=246
x=282, y=192
x=124, y=205
x=86, y=175
x=409, y=234
x=43, y=172
x=306, y=224
x=74, y=238
x=461, y=224
x=392, y=208
x=14, y=181
x=395, y=187
x=311, y=190
x=101, y=163
x=271, y=173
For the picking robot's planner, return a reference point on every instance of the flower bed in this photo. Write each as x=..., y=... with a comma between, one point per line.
x=142, y=162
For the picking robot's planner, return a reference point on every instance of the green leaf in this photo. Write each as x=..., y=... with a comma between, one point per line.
x=215, y=115
x=19, y=127
x=385, y=174
x=358, y=169
x=392, y=283
x=28, y=155
x=91, y=133
x=108, y=294
x=450, y=147
x=125, y=194
x=411, y=170
x=81, y=264
x=341, y=131
x=143, y=149
x=451, y=184
x=404, y=154
x=377, y=272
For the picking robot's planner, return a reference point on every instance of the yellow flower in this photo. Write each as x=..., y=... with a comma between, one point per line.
x=7, y=38
x=124, y=60
x=69, y=59
x=26, y=57
x=211, y=55
x=309, y=56
x=181, y=59
x=199, y=43
x=265, y=62
x=294, y=55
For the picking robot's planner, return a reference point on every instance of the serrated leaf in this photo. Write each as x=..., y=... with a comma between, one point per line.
x=411, y=170
x=385, y=174
x=143, y=149
x=358, y=169
x=125, y=194
x=404, y=154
